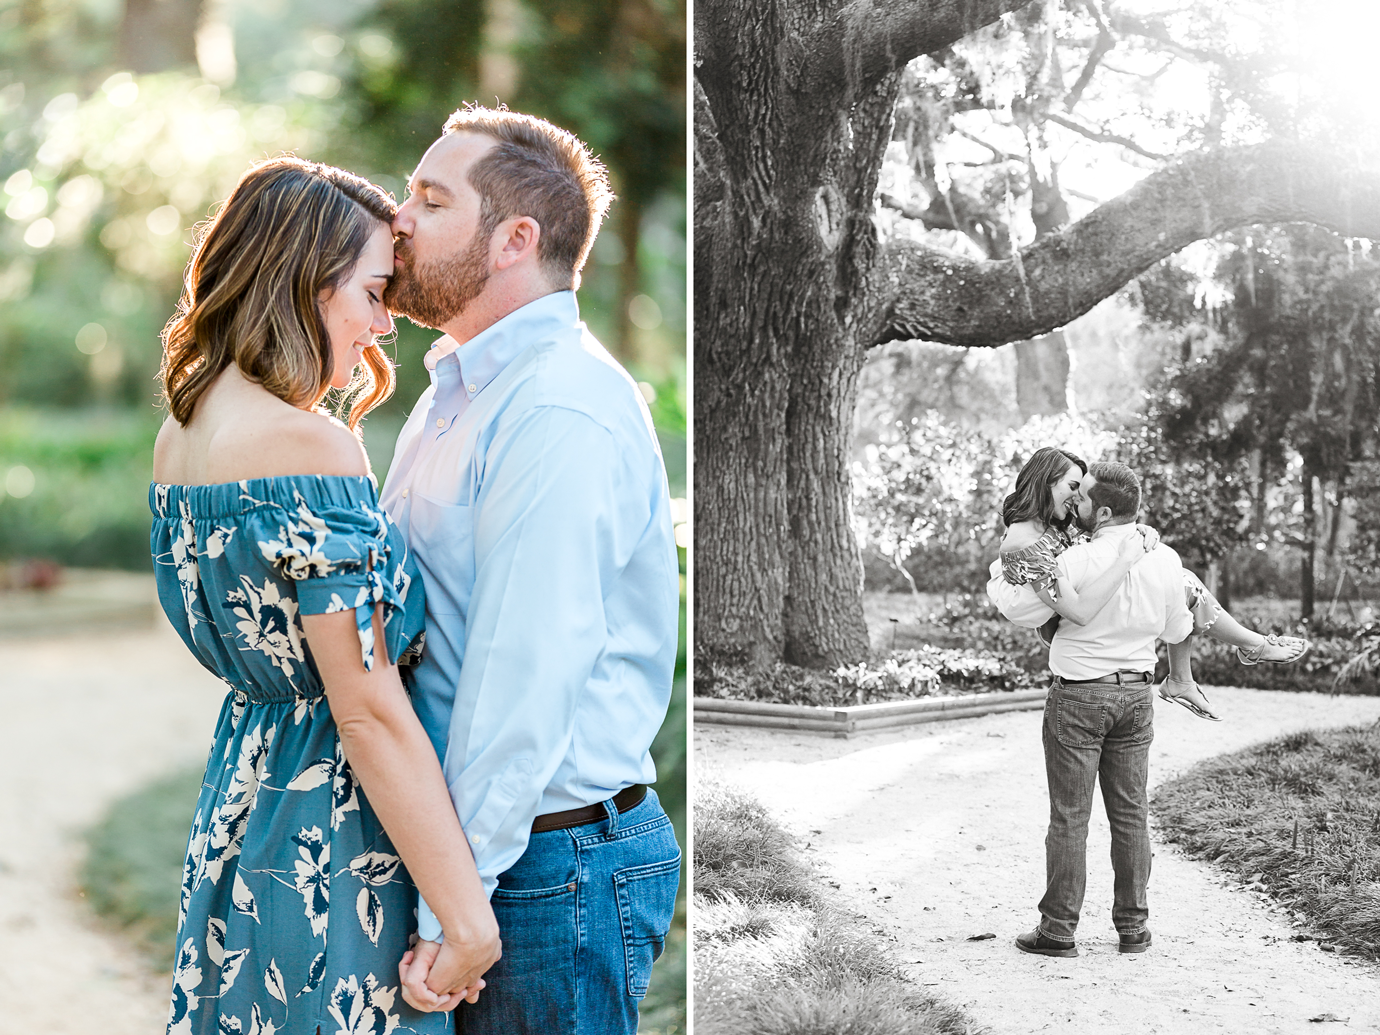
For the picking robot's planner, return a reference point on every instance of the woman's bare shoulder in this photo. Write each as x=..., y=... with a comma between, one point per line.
x=1020, y=535
x=291, y=441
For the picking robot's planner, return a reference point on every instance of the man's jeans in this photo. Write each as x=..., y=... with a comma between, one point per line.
x=1092, y=730
x=582, y=916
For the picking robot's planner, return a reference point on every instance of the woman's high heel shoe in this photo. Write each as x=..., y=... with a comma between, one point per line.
x=1192, y=706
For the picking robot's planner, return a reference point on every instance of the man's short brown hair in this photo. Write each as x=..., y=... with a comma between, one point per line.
x=538, y=170
x=1115, y=487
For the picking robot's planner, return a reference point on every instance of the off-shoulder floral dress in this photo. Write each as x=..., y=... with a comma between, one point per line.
x=295, y=907
x=1036, y=566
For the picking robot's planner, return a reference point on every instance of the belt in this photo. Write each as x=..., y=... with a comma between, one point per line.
x=1120, y=677
x=622, y=801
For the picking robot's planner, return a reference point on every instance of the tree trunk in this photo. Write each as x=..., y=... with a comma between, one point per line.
x=1042, y=375
x=1335, y=521
x=1310, y=546
x=156, y=35
x=793, y=107
x=629, y=277
x=1223, y=593
x=1042, y=364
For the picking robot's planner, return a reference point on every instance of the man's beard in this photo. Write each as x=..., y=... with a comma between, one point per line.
x=436, y=293
x=1078, y=520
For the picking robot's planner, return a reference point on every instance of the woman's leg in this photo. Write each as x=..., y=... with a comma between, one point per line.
x=1180, y=687
x=1212, y=618
x=1181, y=660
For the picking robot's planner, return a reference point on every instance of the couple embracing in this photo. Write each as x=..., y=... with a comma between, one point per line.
x=1102, y=589
x=427, y=785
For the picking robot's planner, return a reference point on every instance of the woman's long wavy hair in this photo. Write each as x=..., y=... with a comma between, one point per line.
x=1032, y=500
x=288, y=231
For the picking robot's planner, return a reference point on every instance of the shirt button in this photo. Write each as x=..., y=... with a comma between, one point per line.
x=405, y=491
x=474, y=838
x=440, y=422
x=473, y=389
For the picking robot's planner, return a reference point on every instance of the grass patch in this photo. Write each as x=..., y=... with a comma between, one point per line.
x=663, y=1011
x=771, y=958
x=1299, y=818
x=132, y=874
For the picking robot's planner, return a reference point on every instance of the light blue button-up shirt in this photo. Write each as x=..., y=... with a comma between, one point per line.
x=529, y=483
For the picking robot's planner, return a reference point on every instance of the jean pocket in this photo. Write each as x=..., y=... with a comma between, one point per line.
x=540, y=932
x=646, y=905
x=1079, y=723
x=1143, y=722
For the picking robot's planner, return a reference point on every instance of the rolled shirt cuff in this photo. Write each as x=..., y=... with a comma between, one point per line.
x=428, y=927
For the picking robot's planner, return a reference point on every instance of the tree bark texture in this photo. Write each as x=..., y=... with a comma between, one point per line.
x=793, y=106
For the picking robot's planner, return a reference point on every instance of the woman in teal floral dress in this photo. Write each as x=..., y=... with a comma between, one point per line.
x=323, y=800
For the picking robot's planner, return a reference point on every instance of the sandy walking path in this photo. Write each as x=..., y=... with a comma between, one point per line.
x=84, y=719
x=936, y=835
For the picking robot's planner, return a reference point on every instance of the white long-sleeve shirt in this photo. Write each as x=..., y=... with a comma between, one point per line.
x=1147, y=606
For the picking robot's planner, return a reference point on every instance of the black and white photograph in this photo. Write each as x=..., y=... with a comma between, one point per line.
x=1036, y=464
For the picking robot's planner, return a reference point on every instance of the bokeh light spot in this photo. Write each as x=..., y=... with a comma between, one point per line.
x=164, y=220
x=644, y=312
x=91, y=339
x=40, y=233
x=19, y=481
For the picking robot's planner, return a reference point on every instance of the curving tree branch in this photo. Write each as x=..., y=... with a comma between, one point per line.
x=1101, y=136
x=939, y=296
x=1101, y=48
x=861, y=41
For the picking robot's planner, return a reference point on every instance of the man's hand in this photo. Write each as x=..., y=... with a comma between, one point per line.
x=459, y=966
x=413, y=971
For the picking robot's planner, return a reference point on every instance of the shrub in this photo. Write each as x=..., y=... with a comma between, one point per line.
x=929, y=671
x=85, y=502
x=899, y=675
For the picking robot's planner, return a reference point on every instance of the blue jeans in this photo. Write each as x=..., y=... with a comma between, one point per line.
x=582, y=916
x=1094, y=730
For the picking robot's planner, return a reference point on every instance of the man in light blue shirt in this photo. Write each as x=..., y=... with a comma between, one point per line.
x=530, y=486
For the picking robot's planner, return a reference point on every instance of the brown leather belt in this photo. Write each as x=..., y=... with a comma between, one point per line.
x=625, y=799
x=1120, y=677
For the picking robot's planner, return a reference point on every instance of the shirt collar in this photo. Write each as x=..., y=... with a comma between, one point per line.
x=484, y=357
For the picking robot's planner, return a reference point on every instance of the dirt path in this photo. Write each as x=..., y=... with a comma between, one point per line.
x=84, y=719
x=936, y=835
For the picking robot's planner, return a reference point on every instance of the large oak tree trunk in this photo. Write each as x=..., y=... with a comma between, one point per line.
x=793, y=106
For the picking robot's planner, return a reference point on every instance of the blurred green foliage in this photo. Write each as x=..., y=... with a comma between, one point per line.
x=74, y=486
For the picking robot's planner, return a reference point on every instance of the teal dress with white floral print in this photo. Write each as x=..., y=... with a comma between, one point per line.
x=295, y=907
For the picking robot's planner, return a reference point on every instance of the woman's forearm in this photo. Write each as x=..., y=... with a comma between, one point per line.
x=1078, y=606
x=395, y=763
